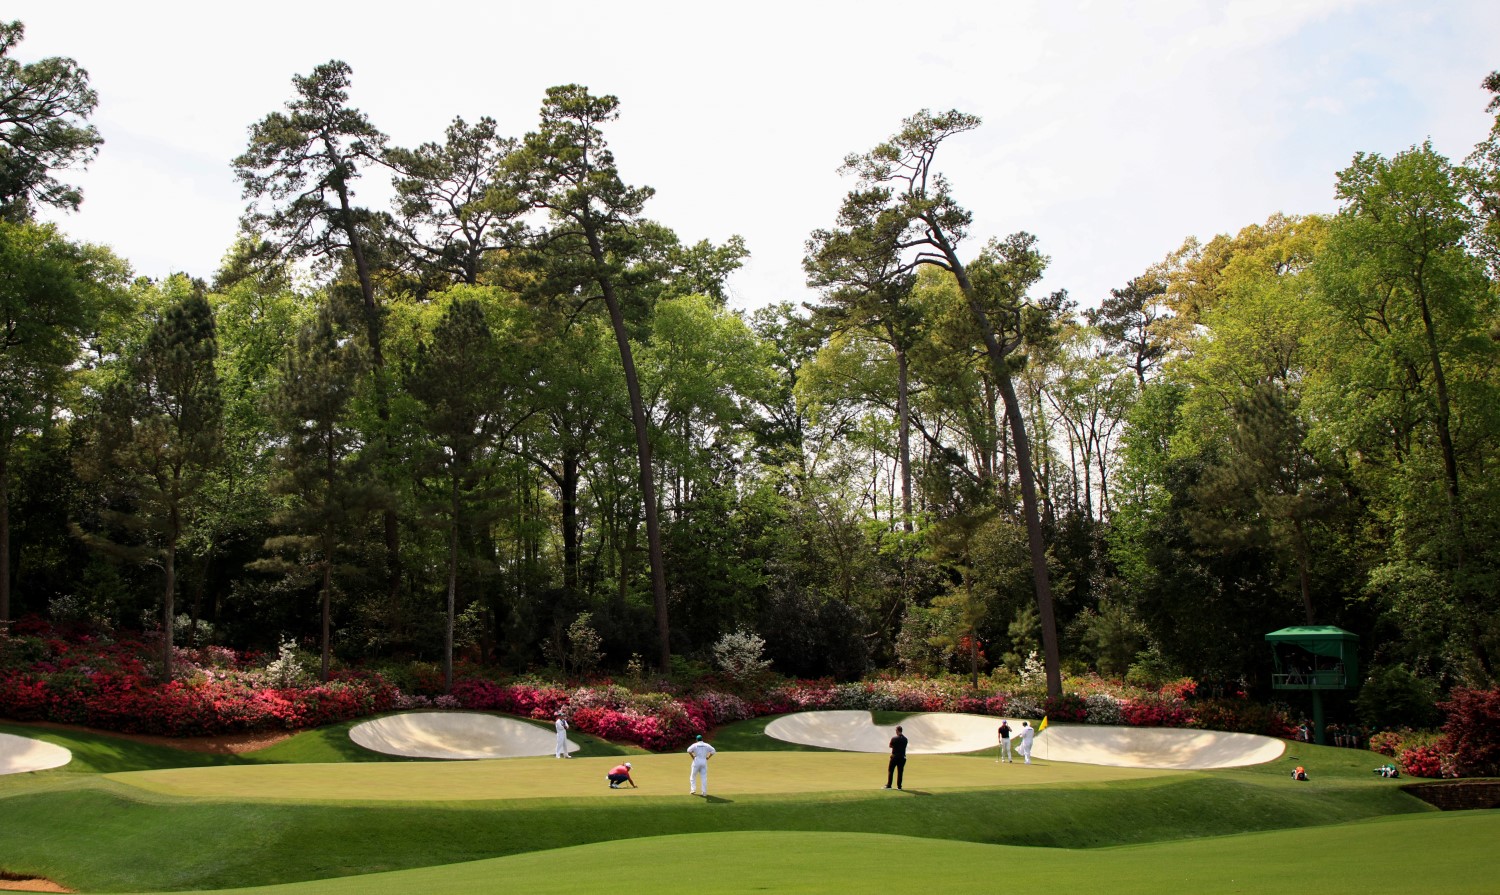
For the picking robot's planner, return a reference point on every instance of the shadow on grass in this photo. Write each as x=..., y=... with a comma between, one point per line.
x=98, y=753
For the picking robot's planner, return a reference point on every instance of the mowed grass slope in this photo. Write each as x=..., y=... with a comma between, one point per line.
x=1451, y=854
x=107, y=837
x=245, y=824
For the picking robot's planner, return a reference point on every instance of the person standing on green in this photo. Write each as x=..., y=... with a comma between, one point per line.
x=1004, y=741
x=897, y=767
x=698, y=774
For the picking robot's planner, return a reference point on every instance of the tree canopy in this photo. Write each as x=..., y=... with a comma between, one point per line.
x=466, y=403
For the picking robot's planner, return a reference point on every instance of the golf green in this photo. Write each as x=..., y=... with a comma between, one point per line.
x=730, y=774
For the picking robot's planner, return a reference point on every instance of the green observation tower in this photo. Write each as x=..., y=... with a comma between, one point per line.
x=1315, y=658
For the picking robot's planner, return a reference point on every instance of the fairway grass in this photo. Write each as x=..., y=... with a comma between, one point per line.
x=1443, y=853
x=731, y=775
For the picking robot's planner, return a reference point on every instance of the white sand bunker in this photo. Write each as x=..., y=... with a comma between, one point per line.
x=1125, y=747
x=21, y=754
x=455, y=735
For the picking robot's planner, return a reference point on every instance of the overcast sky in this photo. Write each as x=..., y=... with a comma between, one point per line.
x=1111, y=130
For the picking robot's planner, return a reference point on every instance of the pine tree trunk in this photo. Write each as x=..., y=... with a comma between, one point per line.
x=1029, y=508
x=327, y=648
x=4, y=539
x=391, y=524
x=643, y=457
x=168, y=610
x=452, y=591
x=903, y=420
x=568, y=497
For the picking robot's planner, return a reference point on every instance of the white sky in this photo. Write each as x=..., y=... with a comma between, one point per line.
x=1112, y=130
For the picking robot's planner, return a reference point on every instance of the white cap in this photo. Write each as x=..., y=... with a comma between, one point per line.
x=627, y=764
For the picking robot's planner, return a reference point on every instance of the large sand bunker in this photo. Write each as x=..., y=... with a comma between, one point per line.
x=1126, y=747
x=455, y=735
x=21, y=754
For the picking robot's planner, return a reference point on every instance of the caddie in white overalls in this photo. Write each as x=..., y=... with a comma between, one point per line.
x=698, y=776
x=562, y=736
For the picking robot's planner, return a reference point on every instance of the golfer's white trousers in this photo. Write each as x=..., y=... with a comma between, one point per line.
x=562, y=745
x=698, y=777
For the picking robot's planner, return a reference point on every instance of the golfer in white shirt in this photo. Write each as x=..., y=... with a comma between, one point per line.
x=698, y=776
x=562, y=736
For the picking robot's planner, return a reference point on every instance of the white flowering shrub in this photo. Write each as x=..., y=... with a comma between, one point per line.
x=1025, y=705
x=739, y=654
x=1033, y=671
x=1101, y=708
x=584, y=644
x=182, y=630
x=286, y=669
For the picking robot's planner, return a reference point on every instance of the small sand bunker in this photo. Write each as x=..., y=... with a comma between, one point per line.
x=1125, y=747
x=456, y=735
x=21, y=754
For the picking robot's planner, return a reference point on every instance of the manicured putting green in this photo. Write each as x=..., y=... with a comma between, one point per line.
x=730, y=774
x=1452, y=854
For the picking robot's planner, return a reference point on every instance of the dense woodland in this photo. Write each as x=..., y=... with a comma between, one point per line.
x=510, y=418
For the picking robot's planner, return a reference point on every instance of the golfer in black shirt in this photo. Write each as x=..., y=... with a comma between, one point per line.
x=897, y=766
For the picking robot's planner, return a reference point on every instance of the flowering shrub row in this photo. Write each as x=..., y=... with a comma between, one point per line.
x=656, y=721
x=110, y=684
x=107, y=684
x=1469, y=745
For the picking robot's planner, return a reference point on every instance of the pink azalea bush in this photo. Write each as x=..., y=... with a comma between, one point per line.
x=1427, y=761
x=108, y=684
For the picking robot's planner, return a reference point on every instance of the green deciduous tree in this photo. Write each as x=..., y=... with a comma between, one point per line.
x=51, y=296
x=1407, y=378
x=1482, y=177
x=157, y=432
x=1397, y=270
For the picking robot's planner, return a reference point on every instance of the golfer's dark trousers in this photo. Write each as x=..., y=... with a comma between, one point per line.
x=897, y=768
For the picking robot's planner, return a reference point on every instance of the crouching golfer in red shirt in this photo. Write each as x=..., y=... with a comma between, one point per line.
x=621, y=774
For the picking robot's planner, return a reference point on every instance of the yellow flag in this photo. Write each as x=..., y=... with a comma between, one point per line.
x=1042, y=726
